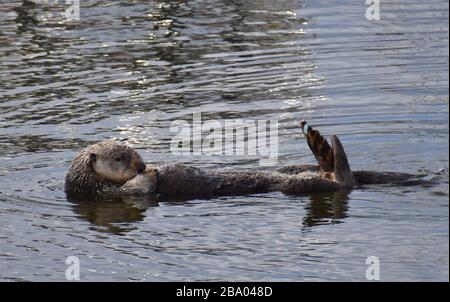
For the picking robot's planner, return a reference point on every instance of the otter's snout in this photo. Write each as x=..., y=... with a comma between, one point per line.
x=138, y=165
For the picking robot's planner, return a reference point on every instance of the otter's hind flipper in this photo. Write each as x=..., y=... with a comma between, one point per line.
x=342, y=171
x=330, y=159
x=319, y=147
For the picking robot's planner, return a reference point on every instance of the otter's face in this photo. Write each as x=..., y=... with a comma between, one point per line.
x=115, y=162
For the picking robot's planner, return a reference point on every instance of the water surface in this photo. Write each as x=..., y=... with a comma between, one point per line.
x=127, y=69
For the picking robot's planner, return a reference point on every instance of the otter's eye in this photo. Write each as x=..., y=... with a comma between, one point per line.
x=118, y=159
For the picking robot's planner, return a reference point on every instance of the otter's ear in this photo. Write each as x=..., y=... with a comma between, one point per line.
x=92, y=157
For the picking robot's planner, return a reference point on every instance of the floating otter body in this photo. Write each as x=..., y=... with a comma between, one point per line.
x=182, y=180
x=113, y=167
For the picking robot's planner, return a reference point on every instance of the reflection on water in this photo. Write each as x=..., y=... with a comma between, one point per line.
x=126, y=70
x=109, y=214
x=327, y=208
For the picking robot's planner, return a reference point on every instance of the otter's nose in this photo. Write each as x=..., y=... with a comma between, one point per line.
x=141, y=167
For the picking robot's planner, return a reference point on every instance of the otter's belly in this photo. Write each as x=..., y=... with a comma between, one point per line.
x=182, y=180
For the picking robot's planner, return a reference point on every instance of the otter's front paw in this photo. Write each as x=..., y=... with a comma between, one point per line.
x=142, y=184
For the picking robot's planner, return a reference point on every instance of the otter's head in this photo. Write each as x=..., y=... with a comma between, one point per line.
x=114, y=161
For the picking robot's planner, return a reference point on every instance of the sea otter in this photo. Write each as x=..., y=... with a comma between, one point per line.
x=113, y=167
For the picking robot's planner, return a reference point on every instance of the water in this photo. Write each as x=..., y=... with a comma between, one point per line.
x=128, y=69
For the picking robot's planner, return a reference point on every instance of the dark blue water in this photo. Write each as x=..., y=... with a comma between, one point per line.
x=127, y=69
